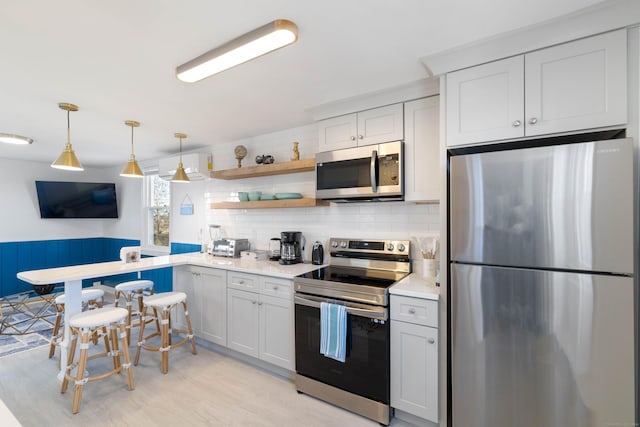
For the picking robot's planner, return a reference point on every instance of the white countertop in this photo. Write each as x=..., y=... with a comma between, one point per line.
x=414, y=285
x=101, y=269
x=265, y=268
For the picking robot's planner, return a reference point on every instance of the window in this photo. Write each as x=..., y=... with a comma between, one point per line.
x=157, y=210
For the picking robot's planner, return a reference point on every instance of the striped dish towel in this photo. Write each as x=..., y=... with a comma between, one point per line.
x=333, y=331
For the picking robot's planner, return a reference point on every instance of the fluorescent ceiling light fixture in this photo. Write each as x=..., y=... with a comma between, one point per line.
x=132, y=169
x=265, y=39
x=15, y=139
x=68, y=160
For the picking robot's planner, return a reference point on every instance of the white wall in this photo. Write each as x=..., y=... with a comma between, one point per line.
x=20, y=217
x=397, y=220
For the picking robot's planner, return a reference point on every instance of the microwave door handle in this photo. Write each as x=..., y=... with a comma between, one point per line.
x=374, y=171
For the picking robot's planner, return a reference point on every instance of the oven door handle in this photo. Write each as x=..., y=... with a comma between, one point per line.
x=377, y=313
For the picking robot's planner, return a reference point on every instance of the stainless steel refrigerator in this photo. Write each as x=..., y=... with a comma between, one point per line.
x=542, y=286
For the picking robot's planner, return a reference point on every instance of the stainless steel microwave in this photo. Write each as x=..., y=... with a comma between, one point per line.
x=368, y=173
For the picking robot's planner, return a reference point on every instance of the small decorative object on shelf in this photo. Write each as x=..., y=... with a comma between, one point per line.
x=210, y=162
x=296, y=153
x=241, y=153
x=264, y=159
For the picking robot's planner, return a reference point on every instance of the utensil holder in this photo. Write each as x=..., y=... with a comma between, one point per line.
x=429, y=268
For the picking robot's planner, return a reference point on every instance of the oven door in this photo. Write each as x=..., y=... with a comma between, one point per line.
x=365, y=371
x=368, y=172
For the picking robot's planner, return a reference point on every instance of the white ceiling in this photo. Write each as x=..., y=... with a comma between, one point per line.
x=116, y=60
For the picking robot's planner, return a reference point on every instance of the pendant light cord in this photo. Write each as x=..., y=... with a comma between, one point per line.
x=68, y=130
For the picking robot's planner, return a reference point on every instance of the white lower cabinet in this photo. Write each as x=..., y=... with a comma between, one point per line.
x=206, y=290
x=260, y=323
x=414, y=356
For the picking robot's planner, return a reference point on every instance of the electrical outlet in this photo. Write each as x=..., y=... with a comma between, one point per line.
x=98, y=283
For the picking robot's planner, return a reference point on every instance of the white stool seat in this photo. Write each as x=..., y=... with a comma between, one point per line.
x=134, y=285
x=164, y=299
x=99, y=317
x=87, y=295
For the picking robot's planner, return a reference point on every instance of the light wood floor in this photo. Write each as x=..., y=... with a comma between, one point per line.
x=208, y=389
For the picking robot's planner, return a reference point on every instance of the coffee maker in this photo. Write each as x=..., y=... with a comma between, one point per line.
x=291, y=246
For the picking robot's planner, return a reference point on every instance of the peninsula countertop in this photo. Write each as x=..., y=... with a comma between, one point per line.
x=89, y=271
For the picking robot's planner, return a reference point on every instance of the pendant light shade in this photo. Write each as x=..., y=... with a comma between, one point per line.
x=132, y=169
x=180, y=175
x=68, y=159
x=269, y=37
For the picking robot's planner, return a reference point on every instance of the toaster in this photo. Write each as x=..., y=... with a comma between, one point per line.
x=229, y=247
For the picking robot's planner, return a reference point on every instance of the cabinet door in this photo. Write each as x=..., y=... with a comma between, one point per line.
x=184, y=281
x=211, y=292
x=414, y=369
x=276, y=331
x=242, y=317
x=337, y=133
x=384, y=124
x=422, y=149
x=577, y=85
x=486, y=103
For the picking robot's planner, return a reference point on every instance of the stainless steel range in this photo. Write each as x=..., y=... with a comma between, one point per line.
x=358, y=277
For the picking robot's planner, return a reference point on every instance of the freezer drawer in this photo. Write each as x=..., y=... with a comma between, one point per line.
x=536, y=348
x=562, y=207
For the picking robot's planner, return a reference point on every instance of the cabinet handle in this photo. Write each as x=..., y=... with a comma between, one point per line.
x=431, y=341
x=260, y=303
x=516, y=123
x=412, y=311
x=275, y=288
x=360, y=137
x=353, y=138
x=253, y=302
x=241, y=282
x=533, y=121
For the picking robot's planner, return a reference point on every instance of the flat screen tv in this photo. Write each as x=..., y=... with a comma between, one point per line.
x=58, y=199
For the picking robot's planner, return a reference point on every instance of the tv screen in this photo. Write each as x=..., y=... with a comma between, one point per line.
x=59, y=199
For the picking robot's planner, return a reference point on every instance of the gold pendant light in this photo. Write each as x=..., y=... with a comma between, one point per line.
x=180, y=175
x=132, y=169
x=68, y=159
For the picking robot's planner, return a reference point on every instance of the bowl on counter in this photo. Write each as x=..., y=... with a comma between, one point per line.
x=243, y=196
x=254, y=195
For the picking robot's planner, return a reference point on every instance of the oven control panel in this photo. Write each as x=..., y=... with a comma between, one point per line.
x=362, y=246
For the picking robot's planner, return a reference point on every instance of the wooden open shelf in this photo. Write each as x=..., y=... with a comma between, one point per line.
x=265, y=204
x=293, y=166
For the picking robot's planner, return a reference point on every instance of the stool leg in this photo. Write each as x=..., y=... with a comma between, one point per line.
x=72, y=352
x=113, y=337
x=140, y=336
x=82, y=365
x=129, y=297
x=166, y=318
x=56, y=330
x=188, y=319
x=127, y=356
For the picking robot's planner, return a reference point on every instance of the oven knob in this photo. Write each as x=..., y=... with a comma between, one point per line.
x=390, y=247
x=401, y=247
x=343, y=244
x=334, y=244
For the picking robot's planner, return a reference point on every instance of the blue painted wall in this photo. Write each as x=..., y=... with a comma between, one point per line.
x=33, y=255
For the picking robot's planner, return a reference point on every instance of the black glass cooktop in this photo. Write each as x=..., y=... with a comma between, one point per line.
x=355, y=276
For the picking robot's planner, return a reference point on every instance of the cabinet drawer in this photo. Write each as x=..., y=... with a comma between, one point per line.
x=246, y=282
x=276, y=287
x=414, y=310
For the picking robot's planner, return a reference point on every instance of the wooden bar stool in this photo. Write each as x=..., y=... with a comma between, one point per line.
x=93, y=298
x=90, y=324
x=128, y=290
x=164, y=303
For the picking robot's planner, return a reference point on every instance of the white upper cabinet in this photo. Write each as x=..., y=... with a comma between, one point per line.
x=569, y=87
x=368, y=127
x=578, y=85
x=422, y=149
